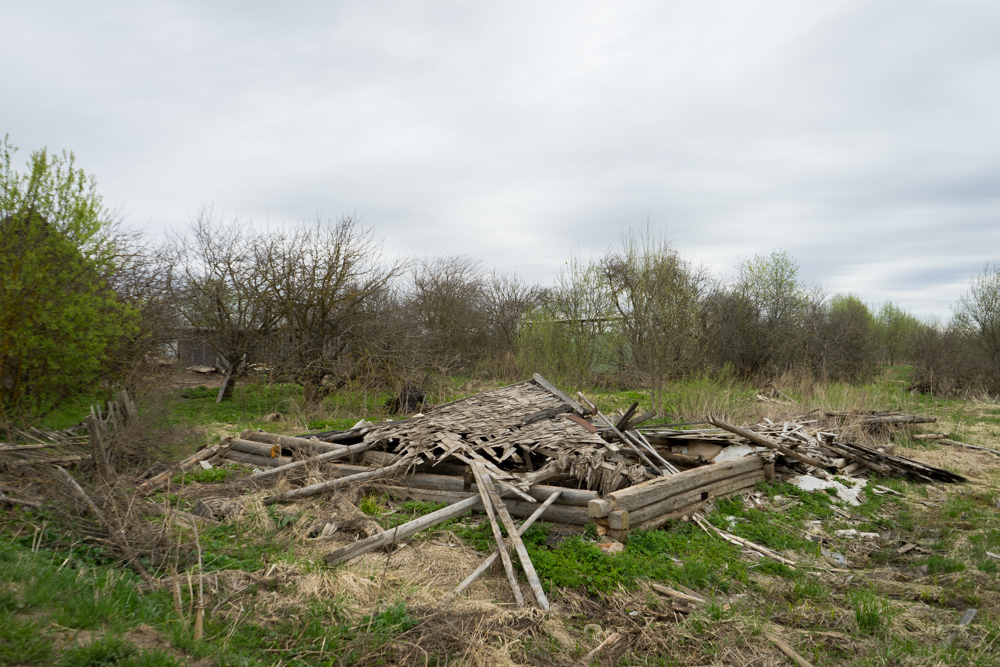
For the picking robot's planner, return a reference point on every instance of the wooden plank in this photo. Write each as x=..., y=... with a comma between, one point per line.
x=155, y=482
x=322, y=487
x=558, y=393
x=764, y=442
x=478, y=470
x=514, y=537
x=558, y=514
x=402, y=531
x=492, y=558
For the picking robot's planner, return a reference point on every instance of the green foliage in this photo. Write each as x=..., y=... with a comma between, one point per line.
x=373, y=505
x=942, y=565
x=872, y=612
x=23, y=641
x=203, y=476
x=59, y=319
x=683, y=555
x=114, y=651
x=571, y=335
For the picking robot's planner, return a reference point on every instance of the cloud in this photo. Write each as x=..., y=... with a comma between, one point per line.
x=859, y=136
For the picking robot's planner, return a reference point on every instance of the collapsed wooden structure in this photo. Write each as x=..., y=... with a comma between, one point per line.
x=530, y=450
x=525, y=450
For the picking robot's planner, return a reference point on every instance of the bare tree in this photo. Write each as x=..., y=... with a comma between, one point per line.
x=658, y=298
x=221, y=293
x=322, y=283
x=977, y=313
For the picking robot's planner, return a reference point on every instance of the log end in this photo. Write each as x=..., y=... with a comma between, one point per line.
x=598, y=507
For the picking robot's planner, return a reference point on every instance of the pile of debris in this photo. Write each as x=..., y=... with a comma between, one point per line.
x=531, y=450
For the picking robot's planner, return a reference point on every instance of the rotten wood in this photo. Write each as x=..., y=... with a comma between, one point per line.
x=514, y=536
x=758, y=439
x=482, y=478
x=492, y=558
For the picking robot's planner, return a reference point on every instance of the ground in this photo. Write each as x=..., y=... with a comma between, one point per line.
x=893, y=598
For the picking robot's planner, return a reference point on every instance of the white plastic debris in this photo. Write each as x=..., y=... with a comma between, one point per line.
x=848, y=494
x=733, y=452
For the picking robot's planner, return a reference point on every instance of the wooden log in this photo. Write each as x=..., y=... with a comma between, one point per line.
x=898, y=419
x=292, y=442
x=492, y=558
x=315, y=489
x=718, y=489
x=482, y=478
x=158, y=480
x=956, y=443
x=556, y=514
x=758, y=439
x=258, y=460
x=340, y=453
x=660, y=521
x=258, y=448
x=647, y=493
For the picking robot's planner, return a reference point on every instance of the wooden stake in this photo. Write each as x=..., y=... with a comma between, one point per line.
x=492, y=558
x=482, y=480
x=514, y=536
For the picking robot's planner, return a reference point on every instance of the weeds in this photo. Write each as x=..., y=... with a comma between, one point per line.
x=872, y=612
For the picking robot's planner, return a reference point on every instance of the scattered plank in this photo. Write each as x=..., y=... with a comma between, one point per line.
x=758, y=439
x=788, y=650
x=492, y=558
x=513, y=535
x=508, y=566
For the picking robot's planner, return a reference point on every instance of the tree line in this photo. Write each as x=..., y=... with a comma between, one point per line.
x=85, y=303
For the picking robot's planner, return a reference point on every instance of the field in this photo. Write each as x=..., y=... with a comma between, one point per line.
x=65, y=600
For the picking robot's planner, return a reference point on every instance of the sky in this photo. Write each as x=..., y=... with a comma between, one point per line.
x=863, y=138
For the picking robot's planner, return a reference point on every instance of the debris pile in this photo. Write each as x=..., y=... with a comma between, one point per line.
x=524, y=450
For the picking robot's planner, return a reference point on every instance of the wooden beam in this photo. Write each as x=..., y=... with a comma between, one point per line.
x=482, y=479
x=492, y=558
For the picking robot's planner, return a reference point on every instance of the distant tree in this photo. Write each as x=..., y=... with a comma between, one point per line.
x=447, y=303
x=58, y=315
x=326, y=283
x=849, y=340
x=977, y=313
x=221, y=292
x=895, y=329
x=759, y=322
x=657, y=296
x=572, y=333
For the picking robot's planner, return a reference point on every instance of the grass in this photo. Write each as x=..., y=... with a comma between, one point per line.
x=65, y=603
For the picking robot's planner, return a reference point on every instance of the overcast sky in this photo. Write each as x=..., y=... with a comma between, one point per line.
x=861, y=137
